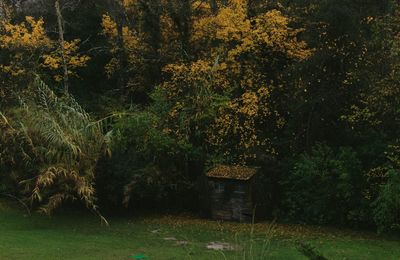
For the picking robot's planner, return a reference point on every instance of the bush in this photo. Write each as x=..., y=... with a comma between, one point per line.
x=387, y=205
x=11, y=156
x=325, y=187
x=148, y=165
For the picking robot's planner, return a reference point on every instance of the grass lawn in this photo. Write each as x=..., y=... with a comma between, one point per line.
x=80, y=236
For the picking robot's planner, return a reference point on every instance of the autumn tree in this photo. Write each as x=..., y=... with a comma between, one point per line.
x=27, y=49
x=22, y=47
x=143, y=36
x=236, y=58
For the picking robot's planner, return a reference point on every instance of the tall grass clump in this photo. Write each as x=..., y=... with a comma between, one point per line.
x=56, y=148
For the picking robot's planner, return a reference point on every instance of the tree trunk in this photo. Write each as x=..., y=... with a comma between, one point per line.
x=61, y=42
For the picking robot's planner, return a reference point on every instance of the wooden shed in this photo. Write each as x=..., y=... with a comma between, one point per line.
x=230, y=191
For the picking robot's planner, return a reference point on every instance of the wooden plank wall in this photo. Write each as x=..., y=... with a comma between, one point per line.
x=231, y=200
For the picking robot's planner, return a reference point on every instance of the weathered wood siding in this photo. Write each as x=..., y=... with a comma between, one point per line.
x=231, y=200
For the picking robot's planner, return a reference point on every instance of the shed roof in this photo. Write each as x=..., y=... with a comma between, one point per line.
x=232, y=172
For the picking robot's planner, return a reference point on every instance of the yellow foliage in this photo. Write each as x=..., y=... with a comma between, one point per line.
x=230, y=24
x=239, y=120
x=27, y=35
x=239, y=34
x=29, y=39
x=109, y=27
x=111, y=67
x=26, y=39
x=228, y=53
x=74, y=60
x=231, y=47
x=132, y=44
x=15, y=72
x=129, y=3
x=199, y=74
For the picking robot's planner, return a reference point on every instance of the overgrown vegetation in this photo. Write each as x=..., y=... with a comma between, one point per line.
x=308, y=91
x=56, y=147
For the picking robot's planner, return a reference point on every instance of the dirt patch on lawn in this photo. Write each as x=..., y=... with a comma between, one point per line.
x=222, y=246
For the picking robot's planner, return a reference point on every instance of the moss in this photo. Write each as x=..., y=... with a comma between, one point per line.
x=232, y=172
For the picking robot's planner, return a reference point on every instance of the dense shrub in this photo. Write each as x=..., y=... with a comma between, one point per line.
x=147, y=164
x=326, y=187
x=10, y=156
x=387, y=205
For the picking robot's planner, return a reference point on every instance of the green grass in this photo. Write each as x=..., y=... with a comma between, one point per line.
x=80, y=236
